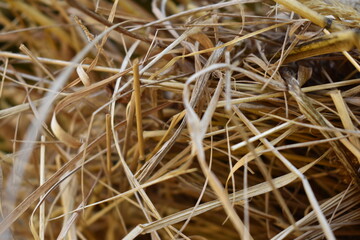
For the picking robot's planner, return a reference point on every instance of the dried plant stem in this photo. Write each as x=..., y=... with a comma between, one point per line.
x=305, y=12
x=36, y=61
x=42, y=180
x=108, y=144
x=56, y=62
x=130, y=115
x=346, y=54
x=137, y=92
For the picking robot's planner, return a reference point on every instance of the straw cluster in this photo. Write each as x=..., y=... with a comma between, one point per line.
x=176, y=120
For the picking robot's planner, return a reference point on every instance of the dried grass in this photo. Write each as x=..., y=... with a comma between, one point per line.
x=178, y=120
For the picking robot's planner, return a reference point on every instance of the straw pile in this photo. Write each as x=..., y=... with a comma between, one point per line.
x=175, y=120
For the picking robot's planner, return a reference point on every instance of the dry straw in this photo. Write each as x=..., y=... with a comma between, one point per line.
x=179, y=119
